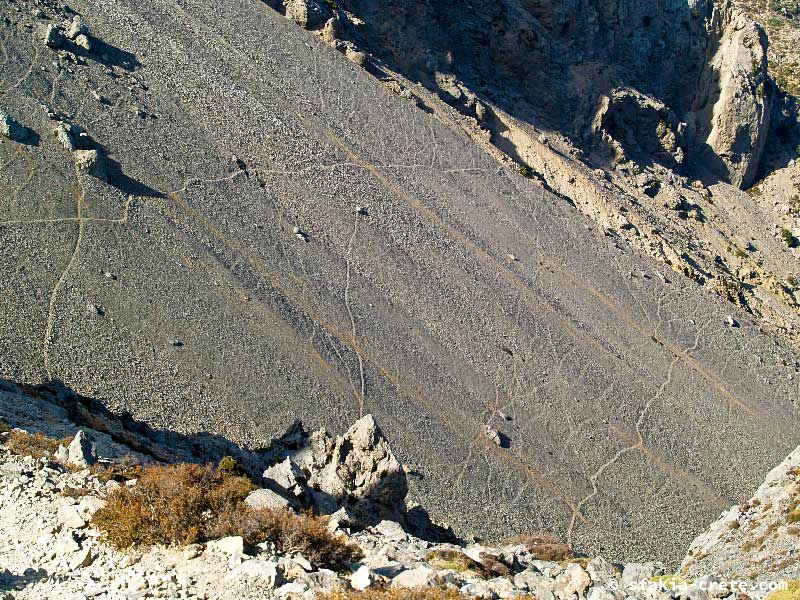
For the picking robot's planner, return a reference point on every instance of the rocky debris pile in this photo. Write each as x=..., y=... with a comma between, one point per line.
x=758, y=540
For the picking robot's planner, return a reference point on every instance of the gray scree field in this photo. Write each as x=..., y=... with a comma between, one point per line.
x=209, y=269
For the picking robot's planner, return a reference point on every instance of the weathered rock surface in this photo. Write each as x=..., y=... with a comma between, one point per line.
x=311, y=14
x=732, y=110
x=757, y=540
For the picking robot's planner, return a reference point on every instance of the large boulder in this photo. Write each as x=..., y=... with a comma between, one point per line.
x=357, y=466
x=731, y=112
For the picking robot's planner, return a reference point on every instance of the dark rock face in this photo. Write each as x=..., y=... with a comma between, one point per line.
x=554, y=62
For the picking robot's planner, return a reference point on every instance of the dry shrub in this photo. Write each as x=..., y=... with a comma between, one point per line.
x=543, y=547
x=290, y=532
x=4, y=427
x=37, y=445
x=172, y=504
x=186, y=503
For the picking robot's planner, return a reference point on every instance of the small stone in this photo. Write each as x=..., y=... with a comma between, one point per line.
x=309, y=14
x=76, y=27
x=731, y=322
x=362, y=578
x=574, y=580
x=634, y=573
x=66, y=544
x=81, y=452
x=233, y=545
x=69, y=516
x=83, y=42
x=11, y=469
x=342, y=518
x=356, y=57
x=286, y=476
x=600, y=570
x=63, y=133
x=11, y=129
x=90, y=505
x=266, y=571
x=295, y=589
x=192, y=551
x=362, y=211
x=89, y=161
x=303, y=562
x=391, y=530
x=264, y=498
x=412, y=578
x=493, y=435
x=82, y=559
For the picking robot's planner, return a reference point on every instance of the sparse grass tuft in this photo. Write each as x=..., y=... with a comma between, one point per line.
x=455, y=561
x=37, y=445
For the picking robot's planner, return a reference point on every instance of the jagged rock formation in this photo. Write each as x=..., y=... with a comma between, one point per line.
x=757, y=540
x=357, y=469
x=279, y=235
x=732, y=110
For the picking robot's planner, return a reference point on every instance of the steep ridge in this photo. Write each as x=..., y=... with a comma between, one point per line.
x=272, y=234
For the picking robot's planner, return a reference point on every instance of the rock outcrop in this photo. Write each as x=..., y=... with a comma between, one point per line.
x=637, y=126
x=732, y=110
x=356, y=470
x=758, y=540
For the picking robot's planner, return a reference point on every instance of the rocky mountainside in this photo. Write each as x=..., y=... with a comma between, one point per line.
x=54, y=543
x=648, y=117
x=215, y=221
